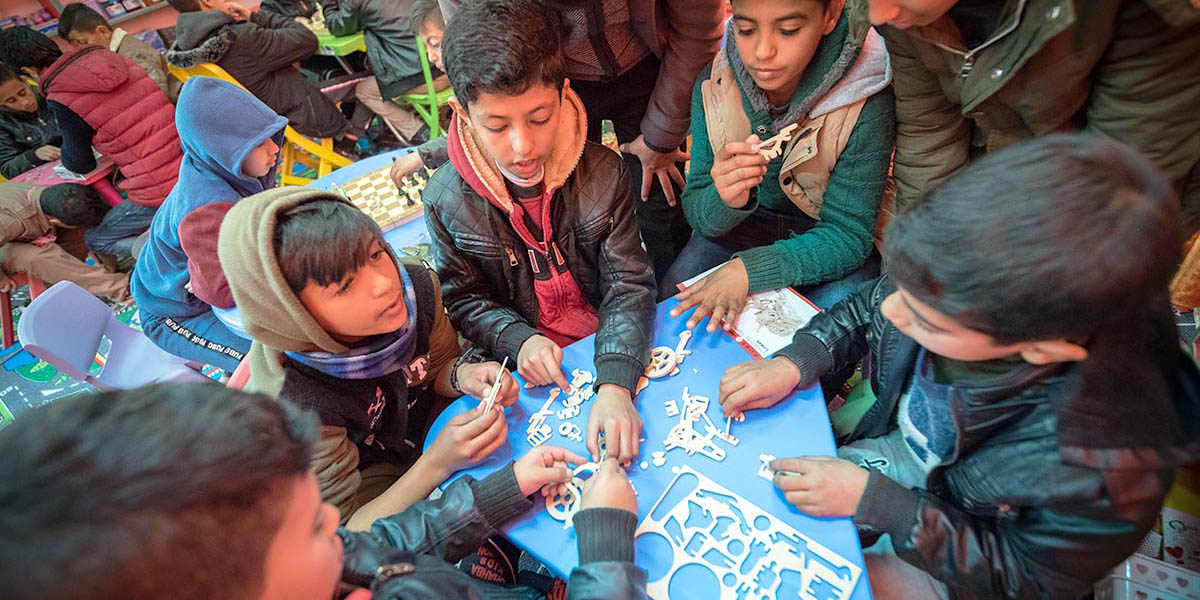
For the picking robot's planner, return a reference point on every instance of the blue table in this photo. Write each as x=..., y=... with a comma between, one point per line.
x=796, y=426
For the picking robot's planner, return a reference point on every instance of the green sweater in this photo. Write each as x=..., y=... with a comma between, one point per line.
x=841, y=240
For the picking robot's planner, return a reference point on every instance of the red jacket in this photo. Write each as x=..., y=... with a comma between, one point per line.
x=134, y=121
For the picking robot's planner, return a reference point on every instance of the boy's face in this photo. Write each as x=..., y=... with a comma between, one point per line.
x=367, y=302
x=100, y=36
x=17, y=96
x=903, y=14
x=431, y=36
x=259, y=161
x=939, y=333
x=777, y=38
x=304, y=560
x=519, y=130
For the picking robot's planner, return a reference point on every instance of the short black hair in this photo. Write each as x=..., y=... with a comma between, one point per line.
x=1047, y=239
x=424, y=11
x=74, y=204
x=9, y=72
x=184, y=6
x=501, y=47
x=162, y=492
x=24, y=48
x=323, y=241
x=79, y=17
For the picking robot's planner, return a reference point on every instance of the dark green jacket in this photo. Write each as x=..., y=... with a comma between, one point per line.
x=1128, y=70
x=841, y=240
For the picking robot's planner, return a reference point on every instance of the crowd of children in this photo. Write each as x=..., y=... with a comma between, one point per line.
x=987, y=199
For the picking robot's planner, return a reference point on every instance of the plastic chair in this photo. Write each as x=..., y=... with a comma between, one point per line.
x=428, y=99
x=316, y=154
x=65, y=327
x=36, y=287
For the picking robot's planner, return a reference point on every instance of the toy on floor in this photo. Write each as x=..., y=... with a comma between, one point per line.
x=720, y=540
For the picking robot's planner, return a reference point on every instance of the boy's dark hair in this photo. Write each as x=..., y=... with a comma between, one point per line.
x=424, y=11
x=162, y=492
x=74, y=204
x=184, y=6
x=9, y=72
x=79, y=17
x=1052, y=238
x=323, y=241
x=23, y=48
x=501, y=47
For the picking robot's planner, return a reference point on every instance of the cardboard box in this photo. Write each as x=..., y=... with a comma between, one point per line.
x=1159, y=575
x=1115, y=588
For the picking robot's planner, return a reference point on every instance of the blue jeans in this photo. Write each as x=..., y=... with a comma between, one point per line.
x=201, y=338
x=120, y=227
x=760, y=229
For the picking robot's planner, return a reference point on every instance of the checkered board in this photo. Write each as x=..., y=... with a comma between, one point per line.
x=376, y=195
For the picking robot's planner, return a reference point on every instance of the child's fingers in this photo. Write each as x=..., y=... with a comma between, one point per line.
x=593, y=438
x=745, y=174
x=733, y=149
x=629, y=443
x=702, y=311
x=668, y=190
x=676, y=176
x=646, y=180
x=718, y=313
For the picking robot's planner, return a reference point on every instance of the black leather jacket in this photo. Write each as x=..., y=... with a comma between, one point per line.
x=487, y=281
x=408, y=555
x=388, y=36
x=1059, y=471
x=21, y=135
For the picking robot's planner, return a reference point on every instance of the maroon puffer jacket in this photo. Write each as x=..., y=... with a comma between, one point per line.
x=134, y=121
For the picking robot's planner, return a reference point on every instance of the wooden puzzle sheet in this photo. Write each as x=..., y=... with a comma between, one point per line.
x=719, y=539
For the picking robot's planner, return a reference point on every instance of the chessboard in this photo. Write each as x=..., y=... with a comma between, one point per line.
x=377, y=195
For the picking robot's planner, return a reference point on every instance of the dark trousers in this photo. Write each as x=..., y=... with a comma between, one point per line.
x=623, y=101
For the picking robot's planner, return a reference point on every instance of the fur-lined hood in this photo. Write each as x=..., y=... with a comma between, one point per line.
x=201, y=37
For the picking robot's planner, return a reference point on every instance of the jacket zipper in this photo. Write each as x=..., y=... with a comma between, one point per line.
x=967, y=65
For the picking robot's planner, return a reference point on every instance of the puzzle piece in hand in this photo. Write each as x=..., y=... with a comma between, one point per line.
x=377, y=195
x=773, y=146
x=750, y=552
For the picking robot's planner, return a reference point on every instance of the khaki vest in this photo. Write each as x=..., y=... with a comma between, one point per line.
x=809, y=156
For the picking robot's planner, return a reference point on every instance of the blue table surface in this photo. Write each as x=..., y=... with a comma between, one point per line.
x=797, y=426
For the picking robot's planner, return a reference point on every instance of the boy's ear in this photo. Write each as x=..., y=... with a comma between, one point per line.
x=104, y=29
x=459, y=109
x=1052, y=351
x=832, y=14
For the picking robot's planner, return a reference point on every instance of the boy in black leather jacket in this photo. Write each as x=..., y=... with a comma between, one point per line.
x=198, y=491
x=1031, y=397
x=533, y=228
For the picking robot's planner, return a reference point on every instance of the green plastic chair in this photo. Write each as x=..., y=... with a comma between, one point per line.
x=428, y=102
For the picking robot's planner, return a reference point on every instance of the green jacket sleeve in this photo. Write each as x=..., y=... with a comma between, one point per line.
x=932, y=136
x=708, y=215
x=839, y=242
x=1144, y=92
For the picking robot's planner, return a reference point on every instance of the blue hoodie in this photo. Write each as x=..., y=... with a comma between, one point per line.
x=219, y=123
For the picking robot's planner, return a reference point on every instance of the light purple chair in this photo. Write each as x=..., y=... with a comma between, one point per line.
x=64, y=326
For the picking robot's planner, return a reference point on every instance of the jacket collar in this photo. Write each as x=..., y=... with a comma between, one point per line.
x=118, y=36
x=59, y=65
x=477, y=167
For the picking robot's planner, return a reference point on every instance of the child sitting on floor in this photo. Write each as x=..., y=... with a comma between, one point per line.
x=79, y=24
x=231, y=150
x=103, y=101
x=106, y=495
x=28, y=132
x=804, y=217
x=532, y=226
x=1030, y=395
x=344, y=329
x=42, y=231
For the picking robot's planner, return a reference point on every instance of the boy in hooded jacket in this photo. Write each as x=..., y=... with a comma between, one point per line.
x=231, y=150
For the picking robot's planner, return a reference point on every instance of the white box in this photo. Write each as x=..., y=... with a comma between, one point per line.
x=1160, y=575
x=1114, y=588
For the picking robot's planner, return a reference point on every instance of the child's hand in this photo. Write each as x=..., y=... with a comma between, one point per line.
x=614, y=414
x=404, y=166
x=609, y=488
x=540, y=362
x=237, y=11
x=737, y=169
x=44, y=240
x=47, y=153
x=544, y=465
x=657, y=164
x=467, y=439
x=476, y=379
x=822, y=486
x=720, y=296
x=757, y=384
